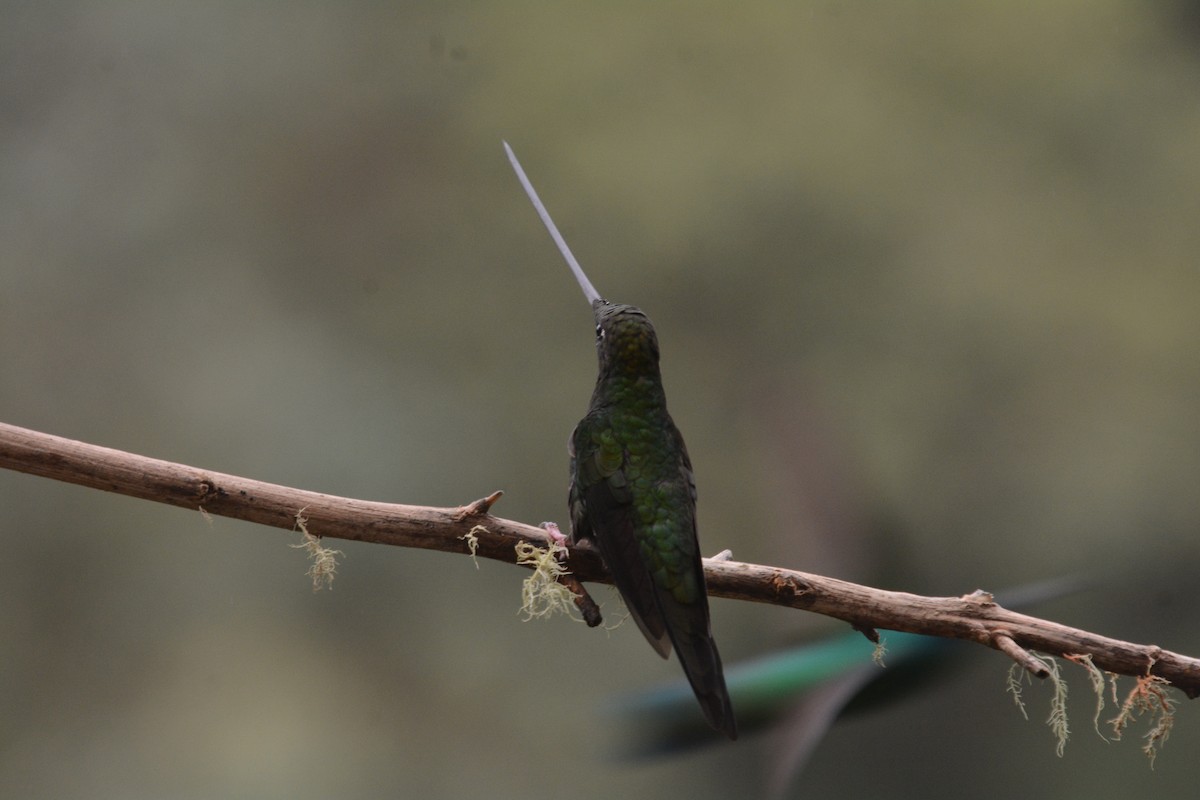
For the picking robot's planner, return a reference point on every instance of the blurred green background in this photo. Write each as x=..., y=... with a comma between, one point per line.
x=926, y=284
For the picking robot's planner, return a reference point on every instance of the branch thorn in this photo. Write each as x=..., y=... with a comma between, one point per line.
x=478, y=508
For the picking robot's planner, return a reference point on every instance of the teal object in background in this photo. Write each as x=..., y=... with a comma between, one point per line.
x=803, y=690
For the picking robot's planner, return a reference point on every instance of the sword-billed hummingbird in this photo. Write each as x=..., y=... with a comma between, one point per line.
x=633, y=493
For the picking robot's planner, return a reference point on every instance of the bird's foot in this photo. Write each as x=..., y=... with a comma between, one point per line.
x=556, y=536
x=583, y=601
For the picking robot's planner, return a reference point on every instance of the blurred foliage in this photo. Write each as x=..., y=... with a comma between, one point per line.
x=925, y=280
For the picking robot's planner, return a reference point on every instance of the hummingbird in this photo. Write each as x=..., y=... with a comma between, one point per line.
x=633, y=494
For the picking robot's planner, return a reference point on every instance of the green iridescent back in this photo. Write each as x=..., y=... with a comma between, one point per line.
x=629, y=442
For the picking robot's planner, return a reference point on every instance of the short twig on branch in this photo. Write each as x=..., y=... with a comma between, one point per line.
x=1004, y=643
x=974, y=617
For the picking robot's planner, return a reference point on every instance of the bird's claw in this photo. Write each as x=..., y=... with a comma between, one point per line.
x=556, y=536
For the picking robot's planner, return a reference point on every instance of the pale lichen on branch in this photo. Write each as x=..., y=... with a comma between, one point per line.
x=1148, y=697
x=542, y=593
x=1058, y=708
x=324, y=559
x=471, y=537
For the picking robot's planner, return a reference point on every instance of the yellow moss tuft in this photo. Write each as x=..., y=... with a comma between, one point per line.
x=1148, y=696
x=1058, y=707
x=1097, y=680
x=879, y=652
x=1016, y=674
x=541, y=593
x=472, y=541
x=324, y=565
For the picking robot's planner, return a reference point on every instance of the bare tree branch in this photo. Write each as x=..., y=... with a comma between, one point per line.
x=470, y=529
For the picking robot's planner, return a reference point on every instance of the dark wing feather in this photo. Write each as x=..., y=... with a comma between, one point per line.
x=691, y=632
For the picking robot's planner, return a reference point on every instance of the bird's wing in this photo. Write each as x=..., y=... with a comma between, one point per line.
x=602, y=511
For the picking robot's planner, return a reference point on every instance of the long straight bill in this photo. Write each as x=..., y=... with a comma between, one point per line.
x=589, y=291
